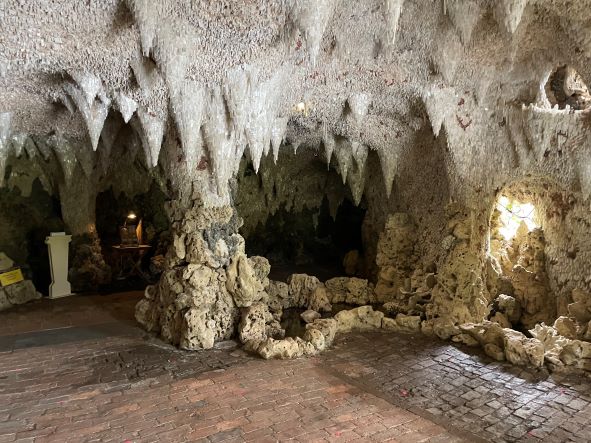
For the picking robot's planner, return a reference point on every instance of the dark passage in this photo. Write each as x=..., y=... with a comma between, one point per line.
x=310, y=241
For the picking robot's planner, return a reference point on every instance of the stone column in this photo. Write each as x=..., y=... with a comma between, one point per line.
x=191, y=307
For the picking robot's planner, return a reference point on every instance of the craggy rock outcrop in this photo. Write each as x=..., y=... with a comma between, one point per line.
x=460, y=295
x=402, y=323
x=523, y=263
x=192, y=305
x=257, y=324
x=301, y=289
x=562, y=353
x=247, y=279
x=359, y=319
x=17, y=294
x=470, y=113
x=350, y=290
x=88, y=270
x=395, y=257
x=517, y=348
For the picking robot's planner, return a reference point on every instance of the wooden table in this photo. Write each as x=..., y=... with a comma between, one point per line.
x=130, y=261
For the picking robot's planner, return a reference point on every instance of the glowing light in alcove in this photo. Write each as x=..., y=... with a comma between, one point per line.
x=513, y=213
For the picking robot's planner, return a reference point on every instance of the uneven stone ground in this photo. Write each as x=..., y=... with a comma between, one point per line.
x=102, y=379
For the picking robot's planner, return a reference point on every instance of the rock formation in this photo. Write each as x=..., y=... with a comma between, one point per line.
x=422, y=113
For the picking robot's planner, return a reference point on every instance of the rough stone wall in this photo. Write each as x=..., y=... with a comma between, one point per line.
x=207, y=278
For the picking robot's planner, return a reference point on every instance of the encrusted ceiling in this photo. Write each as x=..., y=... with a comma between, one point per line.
x=242, y=76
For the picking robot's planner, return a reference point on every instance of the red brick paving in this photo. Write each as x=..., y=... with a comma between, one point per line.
x=123, y=385
x=49, y=394
x=128, y=387
x=80, y=310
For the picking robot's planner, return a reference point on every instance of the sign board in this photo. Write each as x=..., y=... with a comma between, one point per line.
x=11, y=277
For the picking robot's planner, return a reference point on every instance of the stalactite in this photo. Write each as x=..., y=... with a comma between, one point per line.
x=392, y=10
x=439, y=104
x=187, y=108
x=464, y=15
x=5, y=124
x=127, y=106
x=278, y=135
x=359, y=104
x=329, y=143
x=310, y=18
x=152, y=132
x=95, y=112
x=509, y=12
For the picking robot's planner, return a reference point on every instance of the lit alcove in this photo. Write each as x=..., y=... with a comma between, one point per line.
x=518, y=253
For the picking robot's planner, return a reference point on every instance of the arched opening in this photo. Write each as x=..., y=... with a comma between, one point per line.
x=300, y=216
x=532, y=247
x=112, y=210
x=565, y=87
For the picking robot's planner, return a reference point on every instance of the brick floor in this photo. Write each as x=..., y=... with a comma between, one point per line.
x=129, y=387
x=465, y=389
x=81, y=310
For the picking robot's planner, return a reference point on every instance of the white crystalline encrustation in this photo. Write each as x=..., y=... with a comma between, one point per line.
x=344, y=155
x=172, y=52
x=311, y=18
x=509, y=12
x=356, y=177
x=359, y=104
x=187, y=108
x=392, y=10
x=448, y=53
x=127, y=106
x=30, y=148
x=67, y=102
x=145, y=72
x=146, y=14
x=153, y=133
x=18, y=143
x=464, y=15
x=65, y=155
x=329, y=145
x=90, y=85
x=94, y=114
x=252, y=104
x=261, y=118
x=389, y=161
x=439, y=104
x=224, y=152
x=5, y=146
x=108, y=137
x=360, y=153
x=277, y=135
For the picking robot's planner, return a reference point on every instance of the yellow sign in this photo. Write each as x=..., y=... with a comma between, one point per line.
x=11, y=277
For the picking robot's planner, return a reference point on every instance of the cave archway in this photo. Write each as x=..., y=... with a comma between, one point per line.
x=112, y=208
x=300, y=216
x=534, y=239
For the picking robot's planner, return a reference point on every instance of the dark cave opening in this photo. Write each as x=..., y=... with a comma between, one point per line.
x=111, y=212
x=25, y=222
x=310, y=241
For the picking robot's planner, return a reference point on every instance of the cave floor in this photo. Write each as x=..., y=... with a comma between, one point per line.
x=78, y=369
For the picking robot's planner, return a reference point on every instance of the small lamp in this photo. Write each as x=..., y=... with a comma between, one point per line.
x=131, y=231
x=130, y=219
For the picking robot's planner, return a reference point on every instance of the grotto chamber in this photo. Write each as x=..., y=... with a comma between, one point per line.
x=300, y=215
x=351, y=178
